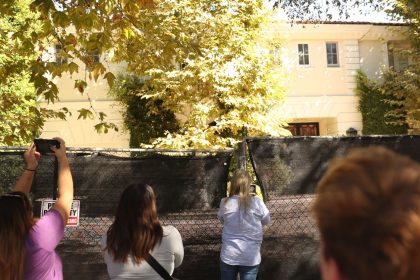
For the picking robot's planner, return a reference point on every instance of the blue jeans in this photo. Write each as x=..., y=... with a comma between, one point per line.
x=229, y=272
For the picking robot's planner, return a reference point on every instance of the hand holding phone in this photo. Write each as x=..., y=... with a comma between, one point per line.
x=253, y=190
x=43, y=146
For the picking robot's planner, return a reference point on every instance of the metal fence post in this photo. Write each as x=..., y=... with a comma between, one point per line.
x=55, y=183
x=241, y=156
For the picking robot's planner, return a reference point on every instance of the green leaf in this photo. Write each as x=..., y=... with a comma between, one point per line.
x=60, y=19
x=102, y=116
x=110, y=78
x=101, y=128
x=73, y=67
x=84, y=114
x=80, y=85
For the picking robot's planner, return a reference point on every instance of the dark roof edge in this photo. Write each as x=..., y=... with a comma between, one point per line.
x=348, y=22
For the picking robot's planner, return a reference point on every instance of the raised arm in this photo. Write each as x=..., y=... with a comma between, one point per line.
x=24, y=183
x=65, y=181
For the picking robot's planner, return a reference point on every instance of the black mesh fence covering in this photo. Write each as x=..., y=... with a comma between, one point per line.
x=293, y=165
x=288, y=170
x=180, y=182
x=189, y=188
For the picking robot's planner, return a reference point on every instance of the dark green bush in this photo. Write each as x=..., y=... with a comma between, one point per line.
x=145, y=118
x=374, y=106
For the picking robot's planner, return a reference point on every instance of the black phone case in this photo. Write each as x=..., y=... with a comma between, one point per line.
x=43, y=145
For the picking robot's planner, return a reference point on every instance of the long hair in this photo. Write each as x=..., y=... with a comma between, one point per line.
x=15, y=223
x=136, y=229
x=239, y=185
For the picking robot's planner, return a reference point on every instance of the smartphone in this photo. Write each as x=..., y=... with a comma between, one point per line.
x=253, y=189
x=43, y=146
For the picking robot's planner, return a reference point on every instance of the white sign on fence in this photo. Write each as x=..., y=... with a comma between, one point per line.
x=73, y=220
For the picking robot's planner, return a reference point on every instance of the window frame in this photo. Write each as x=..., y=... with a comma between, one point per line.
x=96, y=58
x=299, y=128
x=59, y=59
x=337, y=64
x=303, y=55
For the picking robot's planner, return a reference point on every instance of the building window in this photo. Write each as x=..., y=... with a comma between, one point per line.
x=303, y=51
x=304, y=129
x=396, y=56
x=91, y=59
x=399, y=62
x=95, y=56
x=332, y=54
x=59, y=58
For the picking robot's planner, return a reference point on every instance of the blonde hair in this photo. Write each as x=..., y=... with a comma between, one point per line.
x=239, y=185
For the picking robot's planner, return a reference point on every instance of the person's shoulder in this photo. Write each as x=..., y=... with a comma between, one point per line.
x=257, y=201
x=53, y=214
x=171, y=236
x=169, y=229
x=51, y=218
x=103, y=241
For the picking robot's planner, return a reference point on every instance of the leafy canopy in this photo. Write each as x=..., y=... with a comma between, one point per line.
x=203, y=60
x=20, y=118
x=223, y=79
x=223, y=86
x=403, y=87
x=328, y=9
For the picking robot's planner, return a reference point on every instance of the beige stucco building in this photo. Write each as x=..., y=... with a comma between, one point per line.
x=81, y=133
x=320, y=60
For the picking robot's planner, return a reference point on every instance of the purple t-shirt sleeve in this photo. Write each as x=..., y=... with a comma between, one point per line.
x=48, y=231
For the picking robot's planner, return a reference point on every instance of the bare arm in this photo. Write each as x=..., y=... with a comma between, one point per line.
x=24, y=183
x=65, y=182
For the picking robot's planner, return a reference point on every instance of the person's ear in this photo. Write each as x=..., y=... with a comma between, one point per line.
x=330, y=269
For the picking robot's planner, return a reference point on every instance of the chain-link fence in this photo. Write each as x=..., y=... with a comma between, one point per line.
x=288, y=170
x=189, y=186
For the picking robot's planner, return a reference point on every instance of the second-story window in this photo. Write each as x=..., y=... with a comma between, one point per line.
x=332, y=54
x=92, y=58
x=303, y=51
x=95, y=56
x=59, y=55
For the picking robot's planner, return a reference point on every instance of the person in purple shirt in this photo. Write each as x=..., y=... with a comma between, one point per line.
x=27, y=246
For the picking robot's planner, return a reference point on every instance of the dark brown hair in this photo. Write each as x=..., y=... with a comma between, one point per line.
x=136, y=229
x=368, y=212
x=15, y=222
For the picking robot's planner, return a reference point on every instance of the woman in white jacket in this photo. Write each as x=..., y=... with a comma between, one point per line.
x=243, y=217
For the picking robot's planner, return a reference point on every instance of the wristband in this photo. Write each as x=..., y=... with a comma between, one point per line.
x=33, y=170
